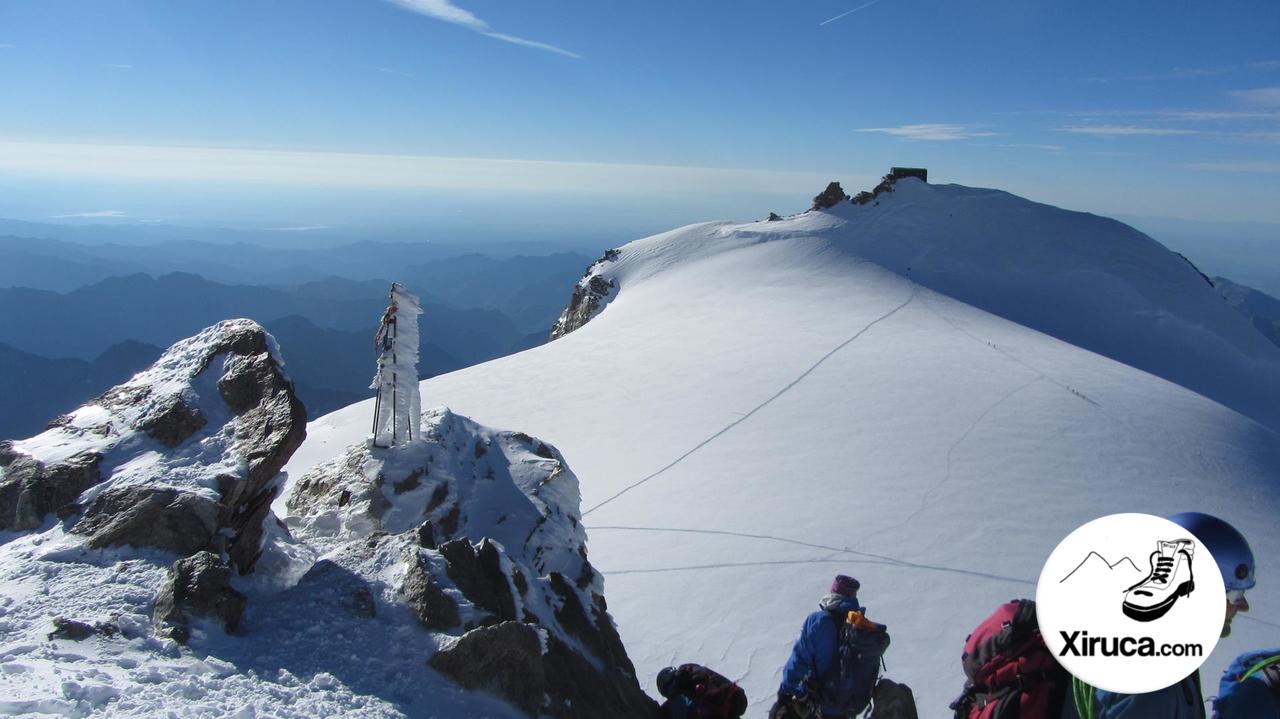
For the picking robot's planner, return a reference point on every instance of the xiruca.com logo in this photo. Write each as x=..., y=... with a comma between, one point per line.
x=1131, y=603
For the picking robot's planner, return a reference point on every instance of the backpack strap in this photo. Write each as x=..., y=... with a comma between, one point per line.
x=1083, y=696
x=1269, y=672
x=1261, y=667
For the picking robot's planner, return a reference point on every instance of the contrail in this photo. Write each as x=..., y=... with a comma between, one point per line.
x=849, y=12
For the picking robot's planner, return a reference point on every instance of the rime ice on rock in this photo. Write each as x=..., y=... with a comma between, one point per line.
x=398, y=409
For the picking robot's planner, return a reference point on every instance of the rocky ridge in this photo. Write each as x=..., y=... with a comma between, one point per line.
x=477, y=534
x=182, y=457
x=141, y=561
x=590, y=295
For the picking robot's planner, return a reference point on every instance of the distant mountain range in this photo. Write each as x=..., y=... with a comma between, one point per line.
x=75, y=334
x=36, y=389
x=31, y=258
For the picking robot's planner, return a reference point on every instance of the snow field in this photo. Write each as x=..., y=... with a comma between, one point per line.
x=771, y=408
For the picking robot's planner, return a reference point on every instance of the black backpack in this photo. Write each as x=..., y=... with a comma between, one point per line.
x=852, y=679
x=714, y=696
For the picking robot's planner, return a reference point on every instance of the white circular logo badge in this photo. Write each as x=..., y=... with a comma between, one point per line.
x=1131, y=603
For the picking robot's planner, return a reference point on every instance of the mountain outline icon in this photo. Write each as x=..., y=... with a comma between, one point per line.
x=1111, y=566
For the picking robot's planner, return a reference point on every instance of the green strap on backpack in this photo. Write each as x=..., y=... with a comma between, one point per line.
x=1260, y=666
x=1082, y=694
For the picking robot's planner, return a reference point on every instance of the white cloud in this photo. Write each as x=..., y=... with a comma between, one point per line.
x=450, y=13
x=299, y=228
x=929, y=131
x=1255, y=166
x=336, y=169
x=1214, y=115
x=118, y=66
x=391, y=71
x=533, y=44
x=1125, y=130
x=863, y=6
x=1266, y=96
x=99, y=213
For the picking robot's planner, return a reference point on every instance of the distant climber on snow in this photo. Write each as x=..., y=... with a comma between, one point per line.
x=835, y=663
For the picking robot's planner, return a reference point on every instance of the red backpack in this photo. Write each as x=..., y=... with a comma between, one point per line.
x=1011, y=673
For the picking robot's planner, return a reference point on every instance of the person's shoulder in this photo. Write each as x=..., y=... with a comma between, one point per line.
x=1249, y=698
x=1166, y=703
x=819, y=616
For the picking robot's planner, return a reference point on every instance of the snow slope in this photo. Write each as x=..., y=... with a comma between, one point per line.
x=760, y=406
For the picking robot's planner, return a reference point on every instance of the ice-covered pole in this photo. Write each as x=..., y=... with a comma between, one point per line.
x=398, y=408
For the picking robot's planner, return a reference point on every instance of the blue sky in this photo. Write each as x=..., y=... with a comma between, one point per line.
x=347, y=110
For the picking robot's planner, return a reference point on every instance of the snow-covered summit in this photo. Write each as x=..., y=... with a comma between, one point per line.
x=477, y=534
x=190, y=447
x=1088, y=280
x=445, y=576
x=754, y=407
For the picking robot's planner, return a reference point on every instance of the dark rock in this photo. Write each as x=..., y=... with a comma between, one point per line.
x=7, y=452
x=544, y=451
x=267, y=434
x=435, y=609
x=410, y=483
x=592, y=627
x=517, y=578
x=449, y=523
x=863, y=198
x=773, y=217
x=147, y=516
x=891, y=700
x=588, y=296
x=504, y=659
x=246, y=339
x=426, y=535
x=123, y=395
x=438, y=495
x=829, y=197
x=71, y=629
x=245, y=381
x=362, y=603
x=490, y=559
x=172, y=423
x=481, y=448
x=577, y=690
x=79, y=631
x=479, y=576
x=199, y=585
x=29, y=489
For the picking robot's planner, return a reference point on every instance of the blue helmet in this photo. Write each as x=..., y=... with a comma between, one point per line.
x=1225, y=543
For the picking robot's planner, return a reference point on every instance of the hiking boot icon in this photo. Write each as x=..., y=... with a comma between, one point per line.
x=1169, y=579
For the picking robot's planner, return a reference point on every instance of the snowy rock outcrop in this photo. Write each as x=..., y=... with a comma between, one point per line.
x=180, y=457
x=589, y=296
x=446, y=576
x=476, y=535
x=199, y=585
x=830, y=197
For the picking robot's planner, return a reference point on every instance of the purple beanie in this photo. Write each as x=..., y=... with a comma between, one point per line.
x=845, y=586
